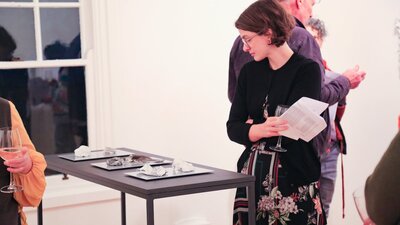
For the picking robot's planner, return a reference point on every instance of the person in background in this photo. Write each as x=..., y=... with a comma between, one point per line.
x=77, y=93
x=286, y=183
x=337, y=142
x=13, y=82
x=383, y=185
x=28, y=171
x=317, y=29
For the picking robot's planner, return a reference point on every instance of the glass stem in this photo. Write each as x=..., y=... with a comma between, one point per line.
x=11, y=185
x=278, y=144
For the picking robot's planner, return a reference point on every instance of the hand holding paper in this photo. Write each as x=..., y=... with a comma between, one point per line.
x=304, y=119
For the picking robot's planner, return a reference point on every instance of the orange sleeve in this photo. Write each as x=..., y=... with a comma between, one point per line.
x=34, y=182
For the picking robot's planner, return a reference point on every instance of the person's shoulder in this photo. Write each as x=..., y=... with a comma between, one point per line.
x=299, y=33
x=236, y=46
x=251, y=68
x=300, y=59
x=302, y=42
x=254, y=65
x=304, y=62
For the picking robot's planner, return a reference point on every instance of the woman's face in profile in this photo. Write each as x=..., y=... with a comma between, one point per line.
x=255, y=44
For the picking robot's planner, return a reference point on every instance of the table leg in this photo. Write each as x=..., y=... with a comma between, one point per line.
x=123, y=208
x=252, y=203
x=150, y=211
x=40, y=214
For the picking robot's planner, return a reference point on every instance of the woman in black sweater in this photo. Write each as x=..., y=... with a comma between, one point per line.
x=286, y=183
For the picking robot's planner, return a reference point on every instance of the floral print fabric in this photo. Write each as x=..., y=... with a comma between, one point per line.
x=279, y=201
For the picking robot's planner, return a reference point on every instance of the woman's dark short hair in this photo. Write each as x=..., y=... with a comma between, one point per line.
x=267, y=14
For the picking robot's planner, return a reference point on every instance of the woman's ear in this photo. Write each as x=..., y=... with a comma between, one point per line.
x=298, y=3
x=268, y=32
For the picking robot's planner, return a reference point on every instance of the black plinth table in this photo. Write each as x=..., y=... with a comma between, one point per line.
x=217, y=180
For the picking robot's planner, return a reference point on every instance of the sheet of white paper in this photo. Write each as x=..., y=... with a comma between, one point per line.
x=304, y=119
x=313, y=105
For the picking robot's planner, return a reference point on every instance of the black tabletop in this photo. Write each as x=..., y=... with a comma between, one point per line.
x=217, y=180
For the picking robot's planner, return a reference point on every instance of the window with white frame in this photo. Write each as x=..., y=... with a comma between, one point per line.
x=42, y=70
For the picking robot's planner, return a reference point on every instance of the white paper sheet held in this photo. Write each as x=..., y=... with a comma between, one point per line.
x=304, y=119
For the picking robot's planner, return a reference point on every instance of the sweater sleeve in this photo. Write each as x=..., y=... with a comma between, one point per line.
x=238, y=129
x=33, y=182
x=307, y=83
x=383, y=185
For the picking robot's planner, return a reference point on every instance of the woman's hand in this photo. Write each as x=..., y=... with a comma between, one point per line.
x=270, y=128
x=21, y=164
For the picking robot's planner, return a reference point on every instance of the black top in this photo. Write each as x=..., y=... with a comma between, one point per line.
x=8, y=206
x=297, y=78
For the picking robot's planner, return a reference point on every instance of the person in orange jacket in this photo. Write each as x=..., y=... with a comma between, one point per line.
x=28, y=171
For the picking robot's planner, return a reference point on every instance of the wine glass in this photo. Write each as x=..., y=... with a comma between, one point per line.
x=359, y=200
x=10, y=148
x=280, y=109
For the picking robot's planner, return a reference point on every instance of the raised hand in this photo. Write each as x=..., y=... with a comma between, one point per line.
x=355, y=76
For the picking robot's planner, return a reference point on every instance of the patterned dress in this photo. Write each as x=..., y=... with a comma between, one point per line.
x=286, y=186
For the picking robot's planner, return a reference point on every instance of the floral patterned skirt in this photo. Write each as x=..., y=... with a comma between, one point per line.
x=278, y=200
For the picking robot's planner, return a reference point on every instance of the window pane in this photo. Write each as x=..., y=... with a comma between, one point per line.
x=19, y=24
x=60, y=29
x=52, y=105
x=16, y=1
x=58, y=109
x=59, y=0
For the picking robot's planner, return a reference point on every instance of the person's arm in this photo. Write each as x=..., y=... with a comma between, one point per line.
x=307, y=83
x=239, y=128
x=383, y=186
x=237, y=59
x=31, y=179
x=304, y=44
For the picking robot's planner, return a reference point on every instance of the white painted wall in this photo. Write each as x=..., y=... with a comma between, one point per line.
x=362, y=32
x=169, y=66
x=168, y=78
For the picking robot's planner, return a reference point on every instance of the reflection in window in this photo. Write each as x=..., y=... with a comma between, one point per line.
x=13, y=82
x=60, y=25
x=14, y=87
x=58, y=109
x=19, y=24
x=51, y=101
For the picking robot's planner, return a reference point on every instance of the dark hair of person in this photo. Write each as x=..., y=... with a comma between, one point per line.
x=319, y=26
x=7, y=45
x=267, y=14
x=55, y=50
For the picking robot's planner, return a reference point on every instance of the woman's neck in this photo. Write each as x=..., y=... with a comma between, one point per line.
x=280, y=56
